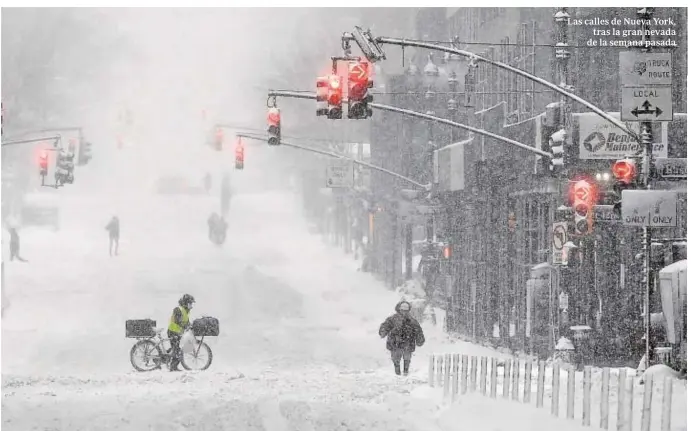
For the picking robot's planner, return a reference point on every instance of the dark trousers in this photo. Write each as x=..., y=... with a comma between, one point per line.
x=175, y=351
x=397, y=355
x=114, y=241
x=14, y=253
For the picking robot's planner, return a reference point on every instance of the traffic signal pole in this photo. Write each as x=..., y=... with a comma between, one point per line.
x=56, y=139
x=646, y=145
x=347, y=37
x=408, y=112
x=338, y=156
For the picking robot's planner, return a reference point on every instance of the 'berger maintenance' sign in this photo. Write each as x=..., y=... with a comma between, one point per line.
x=599, y=139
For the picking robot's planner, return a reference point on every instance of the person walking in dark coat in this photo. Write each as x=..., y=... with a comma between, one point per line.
x=113, y=229
x=403, y=334
x=14, y=245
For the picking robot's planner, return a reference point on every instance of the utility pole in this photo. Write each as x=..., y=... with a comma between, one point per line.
x=646, y=148
x=430, y=76
x=562, y=54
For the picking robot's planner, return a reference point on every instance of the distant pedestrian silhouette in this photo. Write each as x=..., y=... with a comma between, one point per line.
x=14, y=245
x=113, y=228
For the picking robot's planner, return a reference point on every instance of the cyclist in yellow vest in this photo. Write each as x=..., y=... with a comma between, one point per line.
x=179, y=322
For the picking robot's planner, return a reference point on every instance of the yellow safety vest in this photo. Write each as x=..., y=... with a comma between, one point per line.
x=174, y=327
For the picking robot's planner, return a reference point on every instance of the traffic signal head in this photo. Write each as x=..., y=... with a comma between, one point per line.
x=84, y=153
x=322, y=95
x=359, y=83
x=624, y=171
x=334, y=98
x=239, y=155
x=556, y=144
x=274, y=120
x=218, y=139
x=43, y=162
x=584, y=195
x=446, y=251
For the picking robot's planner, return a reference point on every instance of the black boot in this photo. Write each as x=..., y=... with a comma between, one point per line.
x=406, y=367
x=174, y=365
x=397, y=368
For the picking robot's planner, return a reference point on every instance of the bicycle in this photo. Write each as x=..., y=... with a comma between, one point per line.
x=155, y=354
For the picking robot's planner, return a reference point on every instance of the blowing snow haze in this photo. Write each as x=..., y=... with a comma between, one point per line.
x=155, y=277
x=165, y=66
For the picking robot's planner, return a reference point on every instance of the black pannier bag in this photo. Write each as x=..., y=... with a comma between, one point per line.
x=205, y=327
x=140, y=328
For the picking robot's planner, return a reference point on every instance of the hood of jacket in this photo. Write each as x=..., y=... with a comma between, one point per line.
x=398, y=306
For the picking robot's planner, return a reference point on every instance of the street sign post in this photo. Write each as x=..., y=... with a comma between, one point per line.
x=649, y=208
x=649, y=103
x=340, y=173
x=605, y=214
x=644, y=68
x=559, y=238
x=671, y=168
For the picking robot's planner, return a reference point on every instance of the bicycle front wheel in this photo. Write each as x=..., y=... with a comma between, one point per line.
x=199, y=359
x=146, y=356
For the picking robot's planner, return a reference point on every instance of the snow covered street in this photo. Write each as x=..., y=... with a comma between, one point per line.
x=298, y=348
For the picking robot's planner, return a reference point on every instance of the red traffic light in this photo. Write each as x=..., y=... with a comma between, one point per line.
x=239, y=148
x=583, y=191
x=274, y=117
x=447, y=251
x=43, y=159
x=358, y=71
x=358, y=79
x=335, y=96
x=335, y=82
x=624, y=170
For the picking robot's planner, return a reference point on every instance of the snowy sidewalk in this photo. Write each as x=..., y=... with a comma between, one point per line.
x=318, y=399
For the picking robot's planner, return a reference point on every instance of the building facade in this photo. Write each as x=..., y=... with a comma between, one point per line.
x=501, y=284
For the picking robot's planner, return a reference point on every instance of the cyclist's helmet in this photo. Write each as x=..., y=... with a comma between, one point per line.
x=187, y=301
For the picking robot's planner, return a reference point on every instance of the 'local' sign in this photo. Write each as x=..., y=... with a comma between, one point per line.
x=646, y=103
x=600, y=140
x=652, y=208
x=339, y=173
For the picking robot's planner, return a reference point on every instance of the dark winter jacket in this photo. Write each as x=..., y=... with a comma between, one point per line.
x=113, y=227
x=402, y=331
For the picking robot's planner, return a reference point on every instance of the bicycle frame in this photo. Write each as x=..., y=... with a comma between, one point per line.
x=158, y=340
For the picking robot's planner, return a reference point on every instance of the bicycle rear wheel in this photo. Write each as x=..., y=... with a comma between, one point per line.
x=199, y=360
x=150, y=354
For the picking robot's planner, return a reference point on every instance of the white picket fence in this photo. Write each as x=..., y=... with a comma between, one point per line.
x=458, y=374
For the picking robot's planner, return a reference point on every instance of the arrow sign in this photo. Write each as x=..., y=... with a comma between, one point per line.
x=646, y=110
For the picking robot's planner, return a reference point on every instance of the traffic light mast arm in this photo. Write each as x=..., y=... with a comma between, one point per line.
x=471, y=56
x=28, y=141
x=299, y=95
x=51, y=129
x=338, y=156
